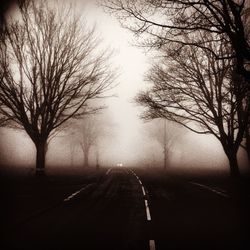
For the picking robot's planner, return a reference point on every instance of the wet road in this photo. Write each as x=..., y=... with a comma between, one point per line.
x=126, y=210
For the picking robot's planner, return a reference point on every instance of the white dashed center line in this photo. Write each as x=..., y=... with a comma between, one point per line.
x=147, y=210
x=151, y=242
x=143, y=191
x=152, y=245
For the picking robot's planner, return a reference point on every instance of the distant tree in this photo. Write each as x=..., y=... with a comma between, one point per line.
x=89, y=134
x=165, y=22
x=203, y=94
x=72, y=151
x=165, y=133
x=86, y=133
x=50, y=69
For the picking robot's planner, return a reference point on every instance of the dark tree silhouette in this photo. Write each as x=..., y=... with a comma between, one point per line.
x=50, y=68
x=201, y=93
x=167, y=21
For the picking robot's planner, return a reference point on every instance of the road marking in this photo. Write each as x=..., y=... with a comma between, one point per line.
x=151, y=242
x=147, y=210
x=152, y=245
x=221, y=192
x=76, y=193
x=144, y=194
x=71, y=196
x=143, y=190
x=107, y=173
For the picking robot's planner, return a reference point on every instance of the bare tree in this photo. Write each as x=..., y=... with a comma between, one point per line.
x=50, y=69
x=89, y=134
x=201, y=93
x=167, y=21
x=86, y=133
x=165, y=133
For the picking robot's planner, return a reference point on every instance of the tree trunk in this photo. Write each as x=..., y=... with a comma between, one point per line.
x=165, y=144
x=165, y=158
x=248, y=143
x=233, y=164
x=40, y=157
x=97, y=160
x=86, y=158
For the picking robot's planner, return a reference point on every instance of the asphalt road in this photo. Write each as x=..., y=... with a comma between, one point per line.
x=125, y=209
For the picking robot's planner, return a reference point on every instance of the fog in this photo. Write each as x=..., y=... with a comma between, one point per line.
x=125, y=139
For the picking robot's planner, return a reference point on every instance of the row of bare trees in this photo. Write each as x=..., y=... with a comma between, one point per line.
x=51, y=67
x=202, y=79
x=203, y=94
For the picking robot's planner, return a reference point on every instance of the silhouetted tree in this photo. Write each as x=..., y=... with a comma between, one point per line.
x=89, y=134
x=50, y=67
x=165, y=22
x=165, y=133
x=203, y=94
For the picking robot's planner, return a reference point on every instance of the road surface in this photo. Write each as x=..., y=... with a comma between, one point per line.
x=127, y=209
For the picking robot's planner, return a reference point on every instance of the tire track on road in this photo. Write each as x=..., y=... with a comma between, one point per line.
x=214, y=190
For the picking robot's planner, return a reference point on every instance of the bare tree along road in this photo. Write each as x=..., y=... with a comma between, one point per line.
x=132, y=209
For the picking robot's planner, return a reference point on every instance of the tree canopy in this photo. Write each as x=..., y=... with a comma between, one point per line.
x=165, y=22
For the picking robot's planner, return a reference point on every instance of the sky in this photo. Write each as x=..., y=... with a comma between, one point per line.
x=132, y=64
x=128, y=140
